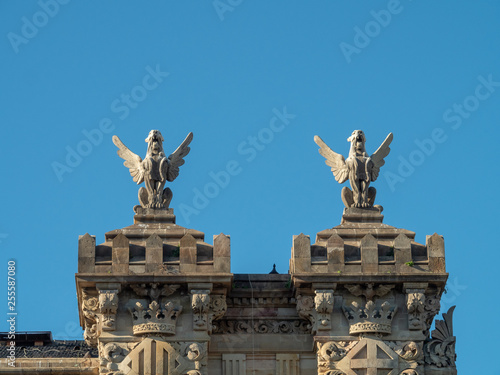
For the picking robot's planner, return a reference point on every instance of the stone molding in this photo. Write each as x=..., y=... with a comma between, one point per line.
x=262, y=326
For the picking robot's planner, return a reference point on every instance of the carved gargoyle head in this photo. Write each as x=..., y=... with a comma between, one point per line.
x=358, y=140
x=155, y=142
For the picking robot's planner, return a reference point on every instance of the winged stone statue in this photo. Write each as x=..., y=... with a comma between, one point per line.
x=359, y=168
x=155, y=169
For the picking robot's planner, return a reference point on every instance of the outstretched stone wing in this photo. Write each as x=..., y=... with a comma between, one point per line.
x=378, y=157
x=333, y=160
x=132, y=161
x=177, y=158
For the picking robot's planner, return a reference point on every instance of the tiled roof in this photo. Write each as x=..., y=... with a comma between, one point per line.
x=56, y=349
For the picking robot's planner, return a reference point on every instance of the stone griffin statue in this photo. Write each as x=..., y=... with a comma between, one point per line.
x=155, y=169
x=359, y=168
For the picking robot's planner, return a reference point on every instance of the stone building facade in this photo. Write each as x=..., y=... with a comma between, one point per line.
x=359, y=299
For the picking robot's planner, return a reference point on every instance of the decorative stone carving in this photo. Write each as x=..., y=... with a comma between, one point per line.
x=317, y=310
x=155, y=319
x=411, y=355
x=111, y=354
x=323, y=303
x=431, y=308
x=369, y=356
x=155, y=169
x=108, y=304
x=330, y=353
x=368, y=290
x=409, y=351
x=159, y=357
x=217, y=309
x=440, y=349
x=371, y=318
x=415, y=303
x=262, y=326
x=359, y=168
x=200, y=301
x=90, y=307
x=305, y=308
x=154, y=290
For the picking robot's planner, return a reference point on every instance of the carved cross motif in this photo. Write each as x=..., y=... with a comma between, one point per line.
x=372, y=356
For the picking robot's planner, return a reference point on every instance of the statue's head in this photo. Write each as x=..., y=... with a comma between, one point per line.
x=155, y=143
x=357, y=140
x=154, y=135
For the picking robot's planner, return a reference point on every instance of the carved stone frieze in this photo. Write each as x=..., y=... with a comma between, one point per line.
x=108, y=305
x=440, y=349
x=262, y=326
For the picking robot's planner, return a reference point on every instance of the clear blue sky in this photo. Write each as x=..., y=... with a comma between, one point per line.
x=420, y=69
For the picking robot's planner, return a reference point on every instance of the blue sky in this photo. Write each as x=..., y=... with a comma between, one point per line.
x=74, y=74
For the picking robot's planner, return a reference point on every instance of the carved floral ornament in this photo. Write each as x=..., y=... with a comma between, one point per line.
x=206, y=309
x=99, y=312
x=317, y=309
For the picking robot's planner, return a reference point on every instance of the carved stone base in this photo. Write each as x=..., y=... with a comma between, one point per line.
x=363, y=215
x=153, y=215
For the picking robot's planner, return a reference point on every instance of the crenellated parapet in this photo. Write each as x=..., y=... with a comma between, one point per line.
x=154, y=244
x=362, y=244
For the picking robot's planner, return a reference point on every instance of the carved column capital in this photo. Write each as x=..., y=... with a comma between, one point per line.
x=323, y=304
x=415, y=303
x=206, y=309
x=317, y=309
x=108, y=305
